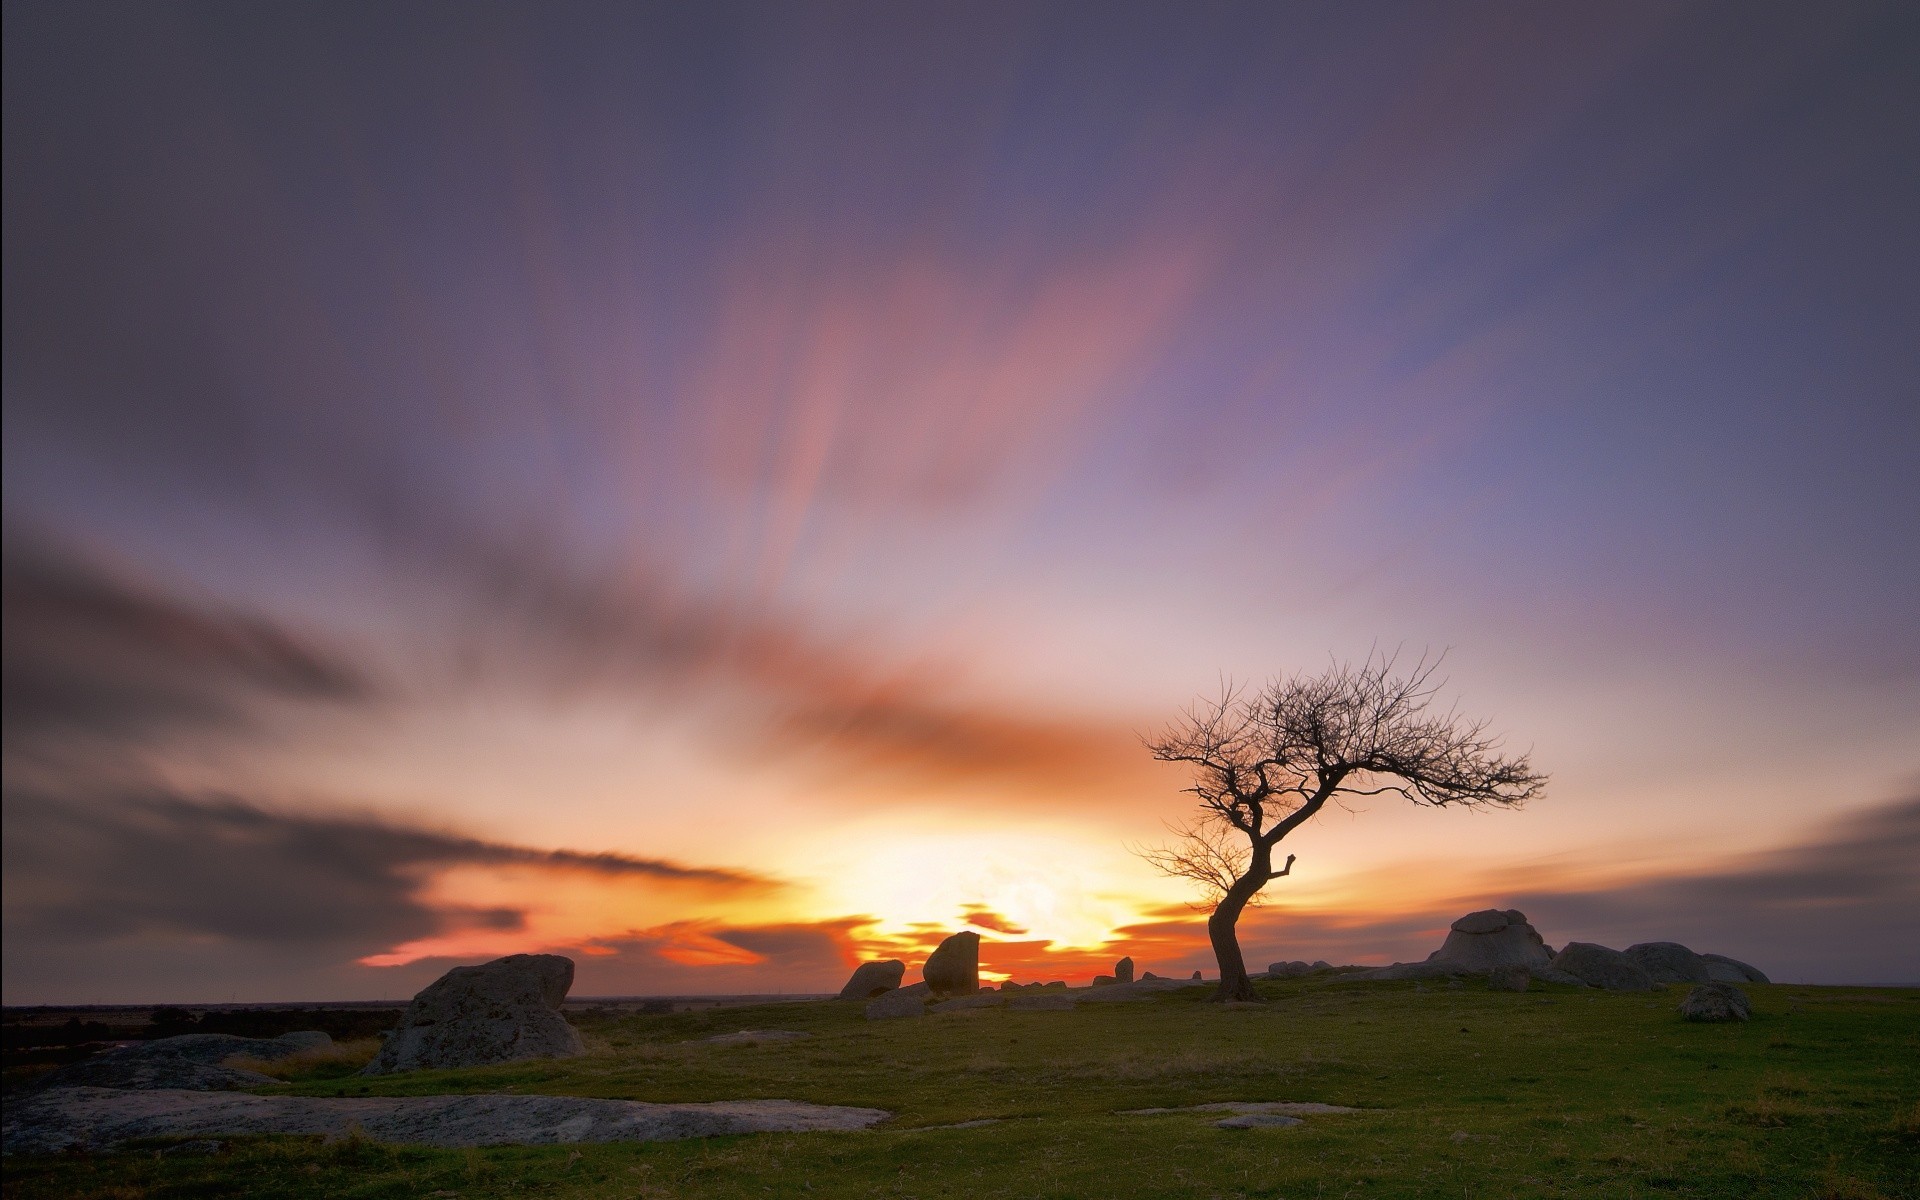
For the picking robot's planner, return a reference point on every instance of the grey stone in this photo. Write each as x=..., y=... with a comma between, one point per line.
x=901, y=1002
x=1294, y=1108
x=1550, y=975
x=50, y=1122
x=1716, y=1002
x=953, y=969
x=1321, y=964
x=870, y=979
x=1601, y=967
x=1731, y=970
x=1669, y=962
x=1509, y=978
x=1123, y=970
x=1042, y=1003
x=1287, y=970
x=1481, y=941
x=506, y=1010
x=756, y=1037
x=1257, y=1121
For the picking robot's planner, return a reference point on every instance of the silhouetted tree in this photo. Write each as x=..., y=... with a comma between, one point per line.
x=1264, y=764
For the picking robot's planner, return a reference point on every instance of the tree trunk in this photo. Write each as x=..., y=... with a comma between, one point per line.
x=1234, y=982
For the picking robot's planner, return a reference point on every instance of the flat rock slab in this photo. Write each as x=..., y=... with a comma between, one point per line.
x=1290, y=1108
x=98, y=1118
x=756, y=1037
x=1257, y=1121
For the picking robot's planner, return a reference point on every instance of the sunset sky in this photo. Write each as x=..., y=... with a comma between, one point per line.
x=721, y=491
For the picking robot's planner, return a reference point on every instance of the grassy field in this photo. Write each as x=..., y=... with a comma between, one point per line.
x=1468, y=1093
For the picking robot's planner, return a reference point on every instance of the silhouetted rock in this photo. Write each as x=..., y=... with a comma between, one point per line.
x=1288, y=970
x=953, y=969
x=1509, y=978
x=1042, y=1003
x=873, y=978
x=1601, y=967
x=900, y=1002
x=503, y=1011
x=1196, y=975
x=1669, y=962
x=1722, y=969
x=1103, y=981
x=982, y=999
x=1151, y=975
x=1123, y=970
x=1716, y=1002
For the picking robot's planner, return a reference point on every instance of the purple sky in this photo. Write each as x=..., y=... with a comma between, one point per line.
x=753, y=441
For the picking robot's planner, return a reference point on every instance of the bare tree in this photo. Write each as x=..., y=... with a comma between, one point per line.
x=1265, y=764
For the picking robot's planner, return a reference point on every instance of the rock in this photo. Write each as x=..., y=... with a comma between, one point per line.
x=1123, y=970
x=1151, y=975
x=157, y=1073
x=1257, y=1121
x=1601, y=967
x=1509, y=978
x=191, y=1061
x=961, y=1003
x=1731, y=970
x=1288, y=1107
x=1669, y=962
x=901, y=1002
x=1481, y=941
x=297, y=1043
x=757, y=1037
x=872, y=978
x=1196, y=976
x=1321, y=964
x=50, y=1122
x=1286, y=970
x=1716, y=1002
x=953, y=969
x=1549, y=975
x=1055, y=985
x=1042, y=1003
x=503, y=1011
x=1103, y=981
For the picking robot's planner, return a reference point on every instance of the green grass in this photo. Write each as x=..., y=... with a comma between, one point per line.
x=1469, y=1093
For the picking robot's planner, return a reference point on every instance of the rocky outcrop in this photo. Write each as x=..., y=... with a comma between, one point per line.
x=1669, y=962
x=900, y=1002
x=1492, y=937
x=503, y=1011
x=1509, y=978
x=1123, y=970
x=1722, y=969
x=192, y=1062
x=51, y=1122
x=1601, y=967
x=874, y=978
x=1716, y=1002
x=953, y=969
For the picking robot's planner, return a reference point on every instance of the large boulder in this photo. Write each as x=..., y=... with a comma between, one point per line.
x=1716, y=1002
x=873, y=979
x=1123, y=970
x=503, y=1011
x=1493, y=937
x=1669, y=962
x=1601, y=967
x=953, y=969
x=1731, y=970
